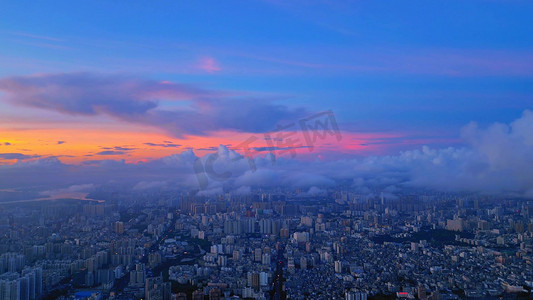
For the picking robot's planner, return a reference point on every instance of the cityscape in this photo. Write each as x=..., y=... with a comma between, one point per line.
x=269, y=245
x=266, y=149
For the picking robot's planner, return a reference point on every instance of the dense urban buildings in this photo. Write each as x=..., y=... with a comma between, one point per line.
x=268, y=245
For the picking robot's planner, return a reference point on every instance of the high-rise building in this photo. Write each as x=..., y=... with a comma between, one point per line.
x=119, y=227
x=421, y=291
x=156, y=289
x=214, y=294
x=303, y=263
x=338, y=266
x=198, y=295
x=10, y=289
x=265, y=259
x=257, y=254
x=263, y=278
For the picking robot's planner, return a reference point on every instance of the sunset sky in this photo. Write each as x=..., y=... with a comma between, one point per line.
x=84, y=82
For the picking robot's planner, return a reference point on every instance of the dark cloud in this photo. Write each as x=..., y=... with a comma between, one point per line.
x=60, y=142
x=19, y=156
x=167, y=145
x=119, y=148
x=7, y=143
x=136, y=100
x=212, y=148
x=274, y=148
x=90, y=94
x=111, y=152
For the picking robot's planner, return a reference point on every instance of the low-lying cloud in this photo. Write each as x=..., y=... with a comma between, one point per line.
x=497, y=159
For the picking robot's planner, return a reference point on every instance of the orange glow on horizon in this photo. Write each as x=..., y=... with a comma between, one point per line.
x=73, y=146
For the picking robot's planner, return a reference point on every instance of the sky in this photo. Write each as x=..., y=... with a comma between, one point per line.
x=431, y=94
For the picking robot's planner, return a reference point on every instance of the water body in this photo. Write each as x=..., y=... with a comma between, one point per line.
x=59, y=196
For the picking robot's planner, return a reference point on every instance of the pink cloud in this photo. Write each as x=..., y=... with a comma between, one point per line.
x=209, y=65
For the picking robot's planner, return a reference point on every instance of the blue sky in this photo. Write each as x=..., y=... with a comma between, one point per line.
x=387, y=64
x=398, y=75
